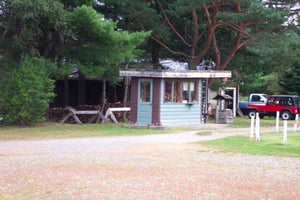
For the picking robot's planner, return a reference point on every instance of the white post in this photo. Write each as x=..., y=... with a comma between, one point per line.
x=296, y=122
x=285, y=132
x=277, y=121
x=257, y=127
x=252, y=127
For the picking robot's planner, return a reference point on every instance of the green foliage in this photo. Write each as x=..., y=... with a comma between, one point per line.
x=27, y=92
x=171, y=22
x=289, y=80
x=100, y=48
x=260, y=64
x=28, y=25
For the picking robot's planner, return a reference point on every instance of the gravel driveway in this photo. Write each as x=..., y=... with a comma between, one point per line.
x=168, y=166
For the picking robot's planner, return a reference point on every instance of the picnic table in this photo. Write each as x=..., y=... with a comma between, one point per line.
x=96, y=115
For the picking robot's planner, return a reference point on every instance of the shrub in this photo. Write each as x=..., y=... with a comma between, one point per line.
x=27, y=92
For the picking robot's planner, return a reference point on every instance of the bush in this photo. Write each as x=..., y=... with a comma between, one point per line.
x=27, y=92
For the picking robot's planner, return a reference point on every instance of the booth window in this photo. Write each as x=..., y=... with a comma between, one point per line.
x=188, y=92
x=180, y=91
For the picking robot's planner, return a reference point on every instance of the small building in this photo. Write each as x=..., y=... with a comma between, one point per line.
x=166, y=98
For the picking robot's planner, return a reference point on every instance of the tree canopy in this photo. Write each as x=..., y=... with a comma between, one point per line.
x=197, y=30
x=253, y=38
x=39, y=35
x=66, y=32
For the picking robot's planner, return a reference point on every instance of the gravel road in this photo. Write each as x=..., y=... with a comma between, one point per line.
x=168, y=166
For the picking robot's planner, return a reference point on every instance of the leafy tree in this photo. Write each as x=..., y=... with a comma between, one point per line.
x=27, y=92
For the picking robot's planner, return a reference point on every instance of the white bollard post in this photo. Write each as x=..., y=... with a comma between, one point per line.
x=277, y=121
x=252, y=127
x=257, y=127
x=285, y=132
x=296, y=122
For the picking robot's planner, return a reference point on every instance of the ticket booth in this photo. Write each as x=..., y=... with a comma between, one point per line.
x=169, y=98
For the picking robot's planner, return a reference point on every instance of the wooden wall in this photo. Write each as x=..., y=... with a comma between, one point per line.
x=133, y=100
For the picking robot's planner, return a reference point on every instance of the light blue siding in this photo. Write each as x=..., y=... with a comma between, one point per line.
x=180, y=114
x=172, y=114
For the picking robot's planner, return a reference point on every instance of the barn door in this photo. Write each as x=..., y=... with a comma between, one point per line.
x=145, y=102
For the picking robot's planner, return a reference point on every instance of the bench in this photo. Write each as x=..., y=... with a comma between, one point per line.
x=109, y=113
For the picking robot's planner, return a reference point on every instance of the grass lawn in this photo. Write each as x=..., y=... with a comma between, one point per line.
x=56, y=130
x=244, y=122
x=270, y=144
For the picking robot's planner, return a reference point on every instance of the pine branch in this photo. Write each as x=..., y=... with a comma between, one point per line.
x=161, y=43
x=171, y=25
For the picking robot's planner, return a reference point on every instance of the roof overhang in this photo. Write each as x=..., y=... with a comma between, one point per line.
x=175, y=74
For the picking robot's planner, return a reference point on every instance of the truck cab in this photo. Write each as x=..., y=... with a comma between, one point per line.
x=254, y=98
x=258, y=98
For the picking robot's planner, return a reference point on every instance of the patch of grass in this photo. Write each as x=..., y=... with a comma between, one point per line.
x=244, y=122
x=55, y=130
x=270, y=144
x=203, y=133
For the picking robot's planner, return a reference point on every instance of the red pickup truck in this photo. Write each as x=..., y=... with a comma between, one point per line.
x=287, y=105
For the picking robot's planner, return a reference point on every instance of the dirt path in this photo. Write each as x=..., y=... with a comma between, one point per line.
x=169, y=166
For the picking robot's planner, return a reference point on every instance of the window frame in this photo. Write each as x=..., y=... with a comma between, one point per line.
x=174, y=91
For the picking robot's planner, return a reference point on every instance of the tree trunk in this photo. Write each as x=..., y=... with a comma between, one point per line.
x=155, y=54
x=103, y=90
x=192, y=64
x=46, y=46
x=66, y=91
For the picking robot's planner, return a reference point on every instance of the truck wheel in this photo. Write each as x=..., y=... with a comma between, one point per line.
x=252, y=113
x=286, y=115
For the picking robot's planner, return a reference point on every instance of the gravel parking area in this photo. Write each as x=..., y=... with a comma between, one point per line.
x=168, y=166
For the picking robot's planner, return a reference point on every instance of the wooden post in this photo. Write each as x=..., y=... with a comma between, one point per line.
x=66, y=91
x=81, y=89
x=252, y=127
x=103, y=90
x=285, y=132
x=277, y=121
x=296, y=122
x=126, y=83
x=257, y=127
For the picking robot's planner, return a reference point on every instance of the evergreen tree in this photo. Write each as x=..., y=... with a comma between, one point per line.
x=197, y=30
x=69, y=33
x=27, y=92
x=289, y=80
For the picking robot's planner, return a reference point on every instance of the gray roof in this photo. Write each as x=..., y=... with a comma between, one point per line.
x=176, y=74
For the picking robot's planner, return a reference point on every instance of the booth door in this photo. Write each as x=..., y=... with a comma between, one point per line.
x=145, y=102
